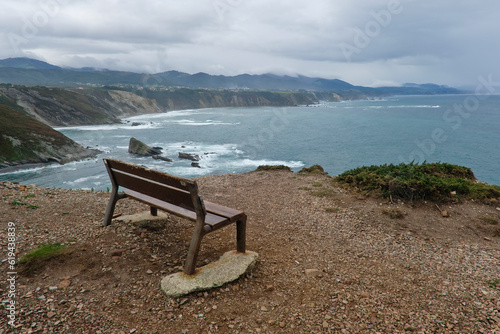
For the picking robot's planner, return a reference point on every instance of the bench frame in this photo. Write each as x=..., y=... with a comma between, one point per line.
x=175, y=195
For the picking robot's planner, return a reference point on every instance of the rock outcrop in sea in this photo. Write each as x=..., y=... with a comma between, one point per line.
x=136, y=146
x=189, y=156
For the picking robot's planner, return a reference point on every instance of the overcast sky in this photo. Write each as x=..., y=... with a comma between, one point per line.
x=364, y=42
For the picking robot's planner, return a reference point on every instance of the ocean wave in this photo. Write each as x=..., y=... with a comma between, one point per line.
x=199, y=147
x=37, y=168
x=171, y=114
x=110, y=127
x=195, y=123
x=415, y=106
x=255, y=163
x=423, y=106
x=86, y=179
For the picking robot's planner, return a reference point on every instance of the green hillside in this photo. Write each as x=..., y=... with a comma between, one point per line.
x=26, y=140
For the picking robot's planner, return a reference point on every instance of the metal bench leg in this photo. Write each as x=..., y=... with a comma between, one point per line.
x=115, y=196
x=241, y=234
x=154, y=211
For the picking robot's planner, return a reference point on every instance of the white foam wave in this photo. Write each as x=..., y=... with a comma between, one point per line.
x=85, y=180
x=199, y=148
x=110, y=127
x=209, y=123
x=251, y=163
x=70, y=166
x=195, y=123
x=170, y=114
x=411, y=106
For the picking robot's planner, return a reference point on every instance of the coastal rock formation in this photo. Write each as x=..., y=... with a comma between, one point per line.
x=138, y=147
x=65, y=107
x=159, y=157
x=24, y=140
x=189, y=156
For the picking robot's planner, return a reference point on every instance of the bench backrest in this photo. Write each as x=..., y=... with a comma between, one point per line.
x=165, y=187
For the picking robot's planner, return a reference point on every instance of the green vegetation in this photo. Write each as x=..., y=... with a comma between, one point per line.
x=426, y=181
x=25, y=140
x=332, y=210
x=489, y=220
x=43, y=252
x=315, y=169
x=272, y=168
x=17, y=203
x=493, y=283
x=10, y=103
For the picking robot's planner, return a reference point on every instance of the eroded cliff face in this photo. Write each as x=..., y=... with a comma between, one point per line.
x=65, y=107
x=25, y=140
x=27, y=114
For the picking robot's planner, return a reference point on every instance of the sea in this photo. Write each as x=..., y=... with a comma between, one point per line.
x=339, y=136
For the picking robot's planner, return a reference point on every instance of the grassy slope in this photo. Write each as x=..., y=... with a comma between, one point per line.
x=26, y=140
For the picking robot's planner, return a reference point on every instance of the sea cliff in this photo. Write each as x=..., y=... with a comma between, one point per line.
x=25, y=140
x=29, y=113
x=65, y=107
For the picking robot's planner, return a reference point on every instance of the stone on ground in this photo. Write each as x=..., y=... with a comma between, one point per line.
x=228, y=268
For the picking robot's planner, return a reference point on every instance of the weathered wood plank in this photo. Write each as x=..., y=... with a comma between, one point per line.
x=171, y=180
x=154, y=189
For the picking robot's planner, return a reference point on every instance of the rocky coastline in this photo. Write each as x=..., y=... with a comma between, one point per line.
x=30, y=113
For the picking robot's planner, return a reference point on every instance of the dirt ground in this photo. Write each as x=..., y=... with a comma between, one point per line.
x=330, y=261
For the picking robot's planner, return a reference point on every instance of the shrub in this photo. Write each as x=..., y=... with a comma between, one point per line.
x=273, y=168
x=315, y=169
x=433, y=181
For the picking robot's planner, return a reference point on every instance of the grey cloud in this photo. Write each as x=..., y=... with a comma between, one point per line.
x=449, y=42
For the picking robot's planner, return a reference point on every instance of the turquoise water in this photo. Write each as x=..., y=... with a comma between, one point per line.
x=458, y=129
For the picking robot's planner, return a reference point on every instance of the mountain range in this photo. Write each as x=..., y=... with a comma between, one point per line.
x=32, y=72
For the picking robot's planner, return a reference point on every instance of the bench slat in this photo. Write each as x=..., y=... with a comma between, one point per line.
x=215, y=221
x=223, y=211
x=154, y=189
x=151, y=174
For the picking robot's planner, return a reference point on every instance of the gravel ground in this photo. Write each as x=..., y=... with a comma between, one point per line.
x=331, y=261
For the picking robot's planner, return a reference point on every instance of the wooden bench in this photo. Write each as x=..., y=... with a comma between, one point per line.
x=175, y=195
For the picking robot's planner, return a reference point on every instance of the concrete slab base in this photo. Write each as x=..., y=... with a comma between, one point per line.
x=228, y=268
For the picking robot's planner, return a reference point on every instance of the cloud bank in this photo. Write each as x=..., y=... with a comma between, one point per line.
x=372, y=42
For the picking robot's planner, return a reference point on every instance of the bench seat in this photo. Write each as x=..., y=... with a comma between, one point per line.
x=217, y=215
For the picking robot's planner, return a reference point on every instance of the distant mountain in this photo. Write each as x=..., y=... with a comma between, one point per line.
x=30, y=72
x=27, y=63
x=247, y=81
